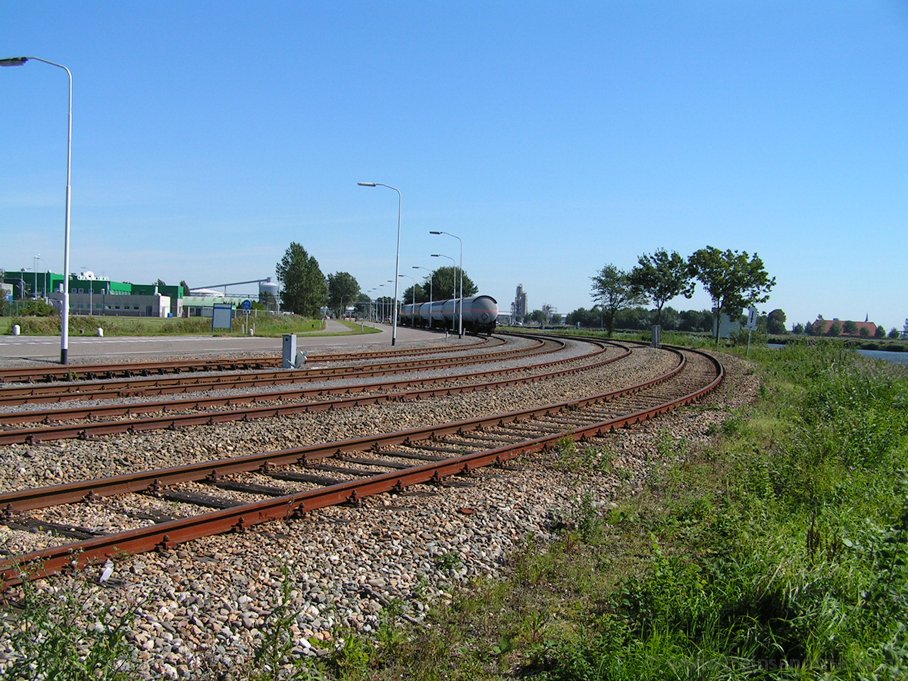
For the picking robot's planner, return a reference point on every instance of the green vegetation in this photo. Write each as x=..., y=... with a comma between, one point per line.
x=304, y=289
x=66, y=636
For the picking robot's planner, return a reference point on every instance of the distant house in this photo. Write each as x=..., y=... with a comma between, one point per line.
x=821, y=327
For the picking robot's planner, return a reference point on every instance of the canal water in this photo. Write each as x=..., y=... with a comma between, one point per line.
x=897, y=357
x=894, y=357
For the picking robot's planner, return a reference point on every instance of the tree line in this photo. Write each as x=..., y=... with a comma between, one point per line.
x=733, y=280
x=306, y=291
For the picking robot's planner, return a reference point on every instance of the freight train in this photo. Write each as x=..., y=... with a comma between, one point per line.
x=479, y=314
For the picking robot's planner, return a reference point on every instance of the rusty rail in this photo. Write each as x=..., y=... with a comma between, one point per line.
x=173, y=421
x=17, y=395
x=168, y=534
x=91, y=371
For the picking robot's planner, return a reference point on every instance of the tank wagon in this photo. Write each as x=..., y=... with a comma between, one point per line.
x=479, y=314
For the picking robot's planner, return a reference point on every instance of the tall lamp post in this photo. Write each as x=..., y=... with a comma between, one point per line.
x=397, y=253
x=453, y=293
x=460, y=327
x=91, y=288
x=417, y=267
x=64, y=322
x=35, y=260
x=413, y=301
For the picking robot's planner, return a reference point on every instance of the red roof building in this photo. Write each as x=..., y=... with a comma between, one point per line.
x=821, y=327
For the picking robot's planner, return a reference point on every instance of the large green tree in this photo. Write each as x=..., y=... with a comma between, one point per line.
x=660, y=277
x=613, y=290
x=343, y=290
x=304, y=290
x=446, y=280
x=733, y=280
x=775, y=322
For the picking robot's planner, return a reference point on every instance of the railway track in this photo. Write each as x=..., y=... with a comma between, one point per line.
x=75, y=372
x=139, y=387
x=409, y=388
x=101, y=518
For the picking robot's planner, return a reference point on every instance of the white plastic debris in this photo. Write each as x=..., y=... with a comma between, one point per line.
x=106, y=572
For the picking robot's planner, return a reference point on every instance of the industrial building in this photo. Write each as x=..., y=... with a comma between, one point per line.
x=519, y=306
x=101, y=296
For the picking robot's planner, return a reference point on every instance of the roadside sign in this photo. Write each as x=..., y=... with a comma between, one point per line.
x=752, y=319
x=221, y=317
x=247, y=305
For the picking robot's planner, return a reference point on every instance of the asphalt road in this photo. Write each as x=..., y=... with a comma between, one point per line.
x=42, y=349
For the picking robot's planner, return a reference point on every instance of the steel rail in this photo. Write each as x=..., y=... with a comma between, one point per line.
x=133, y=482
x=173, y=421
x=166, y=535
x=15, y=396
x=91, y=371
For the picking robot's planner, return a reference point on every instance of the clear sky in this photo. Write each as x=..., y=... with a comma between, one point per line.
x=553, y=137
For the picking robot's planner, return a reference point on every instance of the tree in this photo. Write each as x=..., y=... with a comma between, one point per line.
x=775, y=322
x=613, y=290
x=671, y=318
x=583, y=317
x=660, y=277
x=905, y=330
x=893, y=333
x=632, y=318
x=303, y=287
x=835, y=329
x=798, y=328
x=537, y=317
x=733, y=280
x=343, y=290
x=880, y=332
x=695, y=320
x=416, y=293
x=849, y=328
x=446, y=281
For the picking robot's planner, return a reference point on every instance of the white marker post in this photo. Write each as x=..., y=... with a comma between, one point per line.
x=751, y=326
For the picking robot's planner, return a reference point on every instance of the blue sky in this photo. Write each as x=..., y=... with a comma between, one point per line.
x=553, y=137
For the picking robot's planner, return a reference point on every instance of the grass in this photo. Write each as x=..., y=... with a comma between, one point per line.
x=66, y=636
x=264, y=325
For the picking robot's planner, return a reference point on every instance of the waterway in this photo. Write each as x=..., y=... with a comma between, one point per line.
x=896, y=357
x=886, y=356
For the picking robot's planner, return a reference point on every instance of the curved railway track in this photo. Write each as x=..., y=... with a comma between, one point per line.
x=183, y=383
x=284, y=484
x=75, y=372
x=408, y=388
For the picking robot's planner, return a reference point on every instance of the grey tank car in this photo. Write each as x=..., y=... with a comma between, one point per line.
x=480, y=313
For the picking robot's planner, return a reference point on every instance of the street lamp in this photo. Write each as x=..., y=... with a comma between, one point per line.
x=413, y=301
x=460, y=328
x=397, y=253
x=453, y=293
x=64, y=322
x=417, y=267
x=35, y=260
x=381, y=305
x=91, y=289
